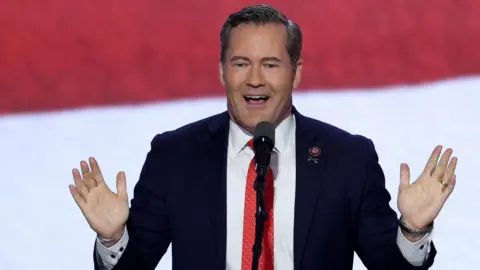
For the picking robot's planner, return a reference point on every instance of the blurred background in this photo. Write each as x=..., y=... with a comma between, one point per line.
x=101, y=78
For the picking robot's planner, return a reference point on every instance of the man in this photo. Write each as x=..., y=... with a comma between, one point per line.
x=326, y=186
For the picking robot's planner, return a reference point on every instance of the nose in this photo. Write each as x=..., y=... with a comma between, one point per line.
x=255, y=77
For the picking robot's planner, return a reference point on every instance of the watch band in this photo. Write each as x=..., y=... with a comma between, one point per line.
x=103, y=240
x=410, y=231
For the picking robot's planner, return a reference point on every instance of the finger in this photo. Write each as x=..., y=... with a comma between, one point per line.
x=442, y=165
x=450, y=171
x=77, y=197
x=433, y=160
x=451, y=186
x=87, y=176
x=79, y=185
x=122, y=186
x=404, y=176
x=96, y=172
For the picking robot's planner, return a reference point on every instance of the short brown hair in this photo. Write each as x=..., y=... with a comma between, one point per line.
x=260, y=15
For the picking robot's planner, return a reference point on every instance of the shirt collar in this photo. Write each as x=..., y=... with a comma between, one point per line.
x=239, y=137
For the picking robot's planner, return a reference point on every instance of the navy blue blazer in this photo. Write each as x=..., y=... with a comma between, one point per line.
x=341, y=203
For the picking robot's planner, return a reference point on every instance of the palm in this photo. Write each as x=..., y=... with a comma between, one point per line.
x=420, y=202
x=105, y=211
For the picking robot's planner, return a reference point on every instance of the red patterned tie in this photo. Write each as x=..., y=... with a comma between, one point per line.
x=266, y=258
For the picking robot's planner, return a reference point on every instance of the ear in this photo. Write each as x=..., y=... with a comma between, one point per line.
x=298, y=74
x=220, y=71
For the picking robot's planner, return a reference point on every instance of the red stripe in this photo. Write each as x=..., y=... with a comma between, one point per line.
x=61, y=54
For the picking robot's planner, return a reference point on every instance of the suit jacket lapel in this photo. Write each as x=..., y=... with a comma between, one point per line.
x=214, y=177
x=310, y=167
x=309, y=174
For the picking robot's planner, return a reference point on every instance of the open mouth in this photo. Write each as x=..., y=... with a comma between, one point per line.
x=256, y=99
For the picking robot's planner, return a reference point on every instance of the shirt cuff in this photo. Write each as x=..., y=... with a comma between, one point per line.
x=109, y=256
x=414, y=252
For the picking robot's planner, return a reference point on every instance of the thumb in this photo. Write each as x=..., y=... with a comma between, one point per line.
x=404, y=176
x=122, y=186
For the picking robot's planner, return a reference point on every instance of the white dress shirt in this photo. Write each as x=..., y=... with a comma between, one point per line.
x=283, y=166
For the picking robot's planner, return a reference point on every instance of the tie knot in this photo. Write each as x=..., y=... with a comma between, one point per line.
x=250, y=144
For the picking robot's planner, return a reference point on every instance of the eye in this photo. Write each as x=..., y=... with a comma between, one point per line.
x=271, y=65
x=240, y=64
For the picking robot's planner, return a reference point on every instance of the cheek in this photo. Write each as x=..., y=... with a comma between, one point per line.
x=234, y=80
x=282, y=90
x=234, y=96
x=280, y=80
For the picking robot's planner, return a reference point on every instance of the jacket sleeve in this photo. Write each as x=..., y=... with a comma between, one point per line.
x=148, y=223
x=377, y=245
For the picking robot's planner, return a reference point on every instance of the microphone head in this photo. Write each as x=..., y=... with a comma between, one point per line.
x=264, y=133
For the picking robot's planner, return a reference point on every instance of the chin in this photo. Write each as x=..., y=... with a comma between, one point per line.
x=249, y=119
x=252, y=122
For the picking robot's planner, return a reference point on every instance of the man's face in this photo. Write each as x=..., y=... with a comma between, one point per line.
x=258, y=75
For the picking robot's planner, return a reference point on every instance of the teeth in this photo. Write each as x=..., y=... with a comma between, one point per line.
x=256, y=97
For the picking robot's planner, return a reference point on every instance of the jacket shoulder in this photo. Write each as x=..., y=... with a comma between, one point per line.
x=189, y=133
x=339, y=139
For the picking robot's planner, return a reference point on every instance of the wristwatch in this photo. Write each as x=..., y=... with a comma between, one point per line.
x=412, y=232
x=103, y=240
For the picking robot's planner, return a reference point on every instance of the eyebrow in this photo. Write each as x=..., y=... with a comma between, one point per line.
x=270, y=58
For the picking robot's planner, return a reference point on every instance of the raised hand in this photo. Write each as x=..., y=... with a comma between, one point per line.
x=105, y=211
x=421, y=202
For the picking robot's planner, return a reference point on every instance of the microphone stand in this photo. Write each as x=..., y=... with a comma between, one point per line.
x=261, y=214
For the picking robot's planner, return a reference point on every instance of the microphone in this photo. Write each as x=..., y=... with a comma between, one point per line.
x=263, y=142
